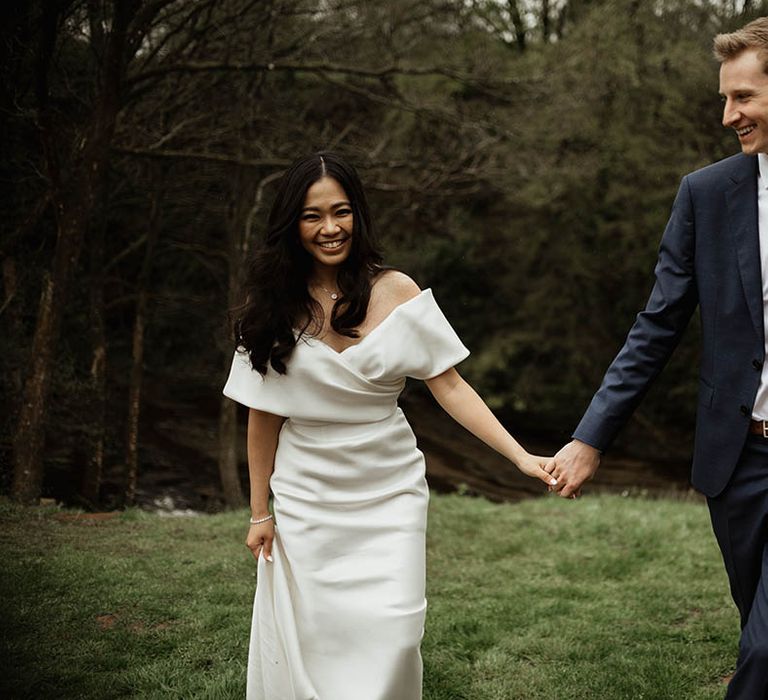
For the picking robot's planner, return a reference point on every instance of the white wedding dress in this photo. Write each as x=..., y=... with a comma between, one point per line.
x=339, y=614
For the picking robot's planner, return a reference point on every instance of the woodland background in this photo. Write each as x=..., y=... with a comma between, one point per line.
x=521, y=159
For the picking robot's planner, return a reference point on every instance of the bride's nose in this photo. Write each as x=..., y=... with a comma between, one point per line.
x=329, y=225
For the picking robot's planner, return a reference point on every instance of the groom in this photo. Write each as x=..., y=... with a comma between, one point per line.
x=714, y=254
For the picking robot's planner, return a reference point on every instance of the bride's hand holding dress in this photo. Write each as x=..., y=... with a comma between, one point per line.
x=263, y=432
x=259, y=539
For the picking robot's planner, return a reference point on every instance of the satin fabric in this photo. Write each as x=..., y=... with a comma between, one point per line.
x=339, y=614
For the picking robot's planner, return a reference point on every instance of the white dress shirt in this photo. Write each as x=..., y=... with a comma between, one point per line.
x=760, y=409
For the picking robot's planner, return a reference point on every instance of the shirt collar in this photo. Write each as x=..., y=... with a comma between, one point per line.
x=762, y=167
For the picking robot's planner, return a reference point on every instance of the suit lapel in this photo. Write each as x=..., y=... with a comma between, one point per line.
x=741, y=200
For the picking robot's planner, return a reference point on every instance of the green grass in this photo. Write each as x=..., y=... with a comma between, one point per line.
x=605, y=597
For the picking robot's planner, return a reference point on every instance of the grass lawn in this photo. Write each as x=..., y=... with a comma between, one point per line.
x=603, y=598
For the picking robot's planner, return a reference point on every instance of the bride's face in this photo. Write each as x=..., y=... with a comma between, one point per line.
x=326, y=223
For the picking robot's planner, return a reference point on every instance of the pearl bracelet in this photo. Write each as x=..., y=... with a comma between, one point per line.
x=258, y=521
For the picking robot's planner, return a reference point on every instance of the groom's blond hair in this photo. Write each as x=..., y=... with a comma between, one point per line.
x=751, y=36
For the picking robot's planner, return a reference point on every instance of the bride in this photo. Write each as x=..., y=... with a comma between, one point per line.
x=326, y=338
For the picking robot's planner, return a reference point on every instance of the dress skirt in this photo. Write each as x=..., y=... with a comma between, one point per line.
x=339, y=614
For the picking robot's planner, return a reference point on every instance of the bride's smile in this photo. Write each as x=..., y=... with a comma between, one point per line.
x=326, y=223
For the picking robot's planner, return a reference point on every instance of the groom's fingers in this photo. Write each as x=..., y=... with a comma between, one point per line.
x=563, y=481
x=569, y=482
x=571, y=490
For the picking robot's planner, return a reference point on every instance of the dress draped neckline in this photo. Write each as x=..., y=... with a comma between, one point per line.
x=375, y=329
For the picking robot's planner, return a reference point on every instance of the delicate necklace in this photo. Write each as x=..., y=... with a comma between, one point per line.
x=333, y=295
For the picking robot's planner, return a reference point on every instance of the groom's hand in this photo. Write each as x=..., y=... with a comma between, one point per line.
x=572, y=466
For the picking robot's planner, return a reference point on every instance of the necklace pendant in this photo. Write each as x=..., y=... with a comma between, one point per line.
x=334, y=296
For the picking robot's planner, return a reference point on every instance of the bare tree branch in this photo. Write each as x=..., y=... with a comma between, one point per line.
x=153, y=152
x=125, y=252
x=257, y=202
x=320, y=68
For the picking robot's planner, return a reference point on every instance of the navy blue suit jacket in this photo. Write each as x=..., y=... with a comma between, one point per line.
x=710, y=257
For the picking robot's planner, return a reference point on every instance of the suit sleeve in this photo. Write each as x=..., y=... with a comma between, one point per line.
x=655, y=334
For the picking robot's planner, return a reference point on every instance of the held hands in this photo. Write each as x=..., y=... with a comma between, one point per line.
x=260, y=538
x=575, y=464
x=537, y=467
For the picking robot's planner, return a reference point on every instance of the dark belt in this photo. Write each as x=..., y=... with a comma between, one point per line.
x=759, y=427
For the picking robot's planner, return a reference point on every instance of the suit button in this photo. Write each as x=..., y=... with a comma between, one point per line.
x=757, y=364
x=744, y=410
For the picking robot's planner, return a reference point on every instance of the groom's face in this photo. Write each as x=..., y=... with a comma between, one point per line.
x=744, y=89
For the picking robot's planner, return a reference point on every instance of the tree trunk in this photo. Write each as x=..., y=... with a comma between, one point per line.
x=11, y=311
x=29, y=439
x=229, y=471
x=518, y=21
x=91, y=483
x=137, y=352
x=546, y=21
x=134, y=401
x=237, y=245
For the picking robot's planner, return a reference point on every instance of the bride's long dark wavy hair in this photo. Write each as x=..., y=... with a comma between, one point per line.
x=275, y=292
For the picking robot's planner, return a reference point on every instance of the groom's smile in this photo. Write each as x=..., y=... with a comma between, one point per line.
x=744, y=89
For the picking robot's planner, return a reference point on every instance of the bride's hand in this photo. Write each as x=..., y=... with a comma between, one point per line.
x=537, y=467
x=260, y=538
